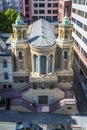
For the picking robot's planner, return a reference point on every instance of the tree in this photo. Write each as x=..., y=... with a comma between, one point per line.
x=6, y=20
x=11, y=16
x=3, y=22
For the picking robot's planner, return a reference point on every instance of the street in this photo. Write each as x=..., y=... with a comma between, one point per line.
x=80, y=96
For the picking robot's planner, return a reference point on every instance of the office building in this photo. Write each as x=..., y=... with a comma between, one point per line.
x=13, y=4
x=79, y=20
x=64, y=5
x=36, y=9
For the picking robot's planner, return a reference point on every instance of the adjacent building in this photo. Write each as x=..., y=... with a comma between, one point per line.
x=36, y=9
x=64, y=5
x=6, y=77
x=13, y=4
x=41, y=67
x=79, y=20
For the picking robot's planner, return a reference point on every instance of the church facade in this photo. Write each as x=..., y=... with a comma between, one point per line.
x=41, y=67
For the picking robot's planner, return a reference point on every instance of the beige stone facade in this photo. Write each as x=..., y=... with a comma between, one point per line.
x=43, y=63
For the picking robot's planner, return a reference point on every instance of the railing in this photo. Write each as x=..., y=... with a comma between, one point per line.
x=24, y=103
x=17, y=101
x=59, y=103
x=28, y=105
x=13, y=93
x=54, y=106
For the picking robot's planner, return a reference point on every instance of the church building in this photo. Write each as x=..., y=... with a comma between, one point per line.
x=38, y=67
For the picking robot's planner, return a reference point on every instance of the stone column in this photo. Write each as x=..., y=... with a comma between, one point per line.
x=53, y=62
x=62, y=60
x=70, y=58
x=32, y=60
x=39, y=67
x=46, y=65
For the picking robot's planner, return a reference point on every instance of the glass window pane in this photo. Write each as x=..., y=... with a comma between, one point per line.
x=43, y=64
x=50, y=63
x=36, y=63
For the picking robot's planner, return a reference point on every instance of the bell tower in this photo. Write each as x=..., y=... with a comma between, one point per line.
x=19, y=29
x=20, y=50
x=65, y=44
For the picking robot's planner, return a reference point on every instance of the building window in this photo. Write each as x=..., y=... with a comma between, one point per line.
x=73, y=10
x=55, y=4
x=85, y=27
x=35, y=11
x=26, y=8
x=41, y=5
x=85, y=40
x=85, y=15
x=65, y=55
x=35, y=5
x=80, y=13
x=51, y=97
x=19, y=34
x=49, y=5
x=9, y=86
x=43, y=64
x=79, y=24
x=75, y=1
x=43, y=86
x=35, y=18
x=4, y=63
x=34, y=85
x=20, y=55
x=69, y=108
x=4, y=86
x=51, y=86
x=27, y=15
x=63, y=78
x=26, y=2
x=82, y=2
x=6, y=75
x=36, y=63
x=49, y=11
x=55, y=11
x=78, y=34
x=21, y=79
x=50, y=64
x=74, y=20
x=41, y=11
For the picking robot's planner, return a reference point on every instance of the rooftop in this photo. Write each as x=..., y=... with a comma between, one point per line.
x=42, y=34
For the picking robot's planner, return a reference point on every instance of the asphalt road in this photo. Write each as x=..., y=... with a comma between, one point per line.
x=80, y=96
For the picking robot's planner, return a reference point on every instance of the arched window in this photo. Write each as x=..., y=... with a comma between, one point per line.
x=4, y=63
x=24, y=33
x=43, y=64
x=36, y=64
x=5, y=75
x=65, y=54
x=20, y=55
x=50, y=64
x=19, y=34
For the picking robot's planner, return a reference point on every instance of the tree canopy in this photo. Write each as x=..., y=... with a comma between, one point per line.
x=6, y=20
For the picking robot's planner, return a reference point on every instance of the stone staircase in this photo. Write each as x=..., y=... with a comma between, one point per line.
x=18, y=99
x=43, y=108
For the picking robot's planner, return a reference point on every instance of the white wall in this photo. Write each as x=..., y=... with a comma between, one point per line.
x=8, y=69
